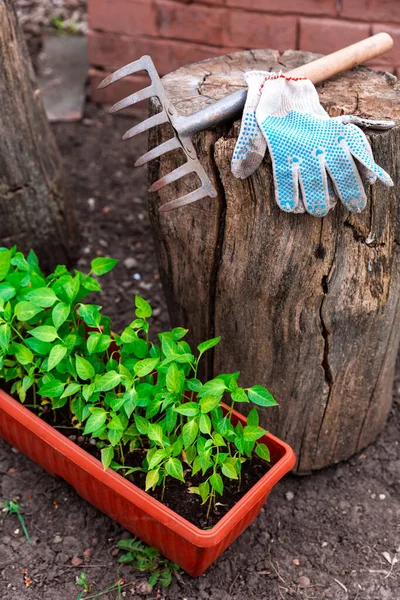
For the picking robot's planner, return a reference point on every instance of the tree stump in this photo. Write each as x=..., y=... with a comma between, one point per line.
x=307, y=306
x=33, y=208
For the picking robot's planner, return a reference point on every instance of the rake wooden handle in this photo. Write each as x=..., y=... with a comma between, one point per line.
x=346, y=58
x=231, y=106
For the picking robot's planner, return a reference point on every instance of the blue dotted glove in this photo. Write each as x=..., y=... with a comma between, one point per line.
x=308, y=149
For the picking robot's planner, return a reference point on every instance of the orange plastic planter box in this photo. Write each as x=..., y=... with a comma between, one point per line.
x=192, y=548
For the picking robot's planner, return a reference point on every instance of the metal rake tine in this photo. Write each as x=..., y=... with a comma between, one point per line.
x=157, y=119
x=172, y=144
x=173, y=176
x=201, y=192
x=134, y=98
x=143, y=64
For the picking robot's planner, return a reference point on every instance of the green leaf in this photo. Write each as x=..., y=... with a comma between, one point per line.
x=5, y=336
x=168, y=347
x=252, y=418
x=23, y=355
x=155, y=433
x=107, y=454
x=5, y=262
x=95, y=421
x=57, y=353
x=194, y=385
x=216, y=483
x=115, y=424
x=156, y=457
x=229, y=470
x=44, y=333
x=189, y=409
x=154, y=577
x=261, y=396
x=90, y=313
x=143, y=308
x=178, y=333
x=115, y=435
x=129, y=336
x=24, y=311
x=208, y=403
x=44, y=297
x=196, y=465
x=174, y=379
x=263, y=452
x=42, y=348
x=91, y=284
x=72, y=287
x=204, y=491
x=7, y=291
x=87, y=391
x=20, y=262
x=84, y=369
x=218, y=439
x=98, y=342
x=142, y=424
x=152, y=479
x=27, y=382
x=173, y=467
x=100, y=265
x=78, y=407
x=191, y=454
x=205, y=424
x=52, y=389
x=60, y=314
x=71, y=389
x=108, y=381
x=189, y=433
x=165, y=577
x=208, y=344
x=146, y=366
x=58, y=402
x=214, y=387
x=239, y=395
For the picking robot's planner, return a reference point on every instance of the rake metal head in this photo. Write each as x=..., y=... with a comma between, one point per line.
x=180, y=140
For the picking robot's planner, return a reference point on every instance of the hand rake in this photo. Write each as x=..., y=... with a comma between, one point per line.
x=227, y=108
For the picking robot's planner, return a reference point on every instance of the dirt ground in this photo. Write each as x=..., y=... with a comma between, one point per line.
x=330, y=535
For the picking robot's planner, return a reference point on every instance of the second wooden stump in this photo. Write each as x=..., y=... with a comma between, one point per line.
x=308, y=307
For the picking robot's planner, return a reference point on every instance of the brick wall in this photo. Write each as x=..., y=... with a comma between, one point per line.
x=176, y=32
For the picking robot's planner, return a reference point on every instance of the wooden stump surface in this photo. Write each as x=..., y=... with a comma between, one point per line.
x=307, y=306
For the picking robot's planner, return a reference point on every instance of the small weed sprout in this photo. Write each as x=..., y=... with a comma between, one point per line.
x=148, y=560
x=12, y=507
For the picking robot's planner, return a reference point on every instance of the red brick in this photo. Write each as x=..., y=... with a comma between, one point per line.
x=328, y=35
x=135, y=17
x=311, y=7
x=113, y=50
x=392, y=57
x=256, y=30
x=117, y=90
x=371, y=10
x=191, y=22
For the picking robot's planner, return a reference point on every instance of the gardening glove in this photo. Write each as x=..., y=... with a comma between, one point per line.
x=306, y=146
x=251, y=145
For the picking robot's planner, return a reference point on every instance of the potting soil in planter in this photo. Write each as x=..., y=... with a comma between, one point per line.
x=177, y=495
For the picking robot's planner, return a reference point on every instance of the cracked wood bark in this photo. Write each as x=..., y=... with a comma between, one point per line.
x=308, y=307
x=33, y=209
